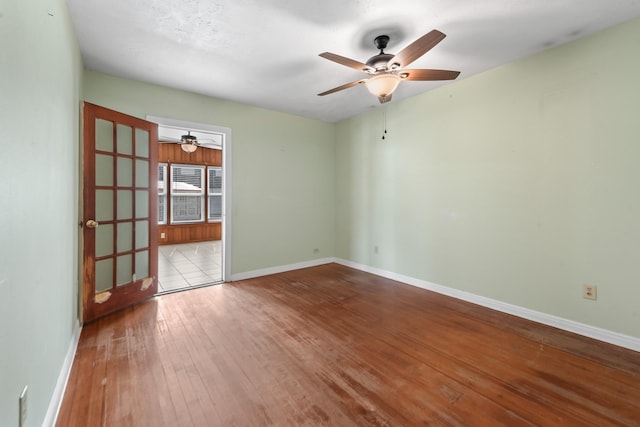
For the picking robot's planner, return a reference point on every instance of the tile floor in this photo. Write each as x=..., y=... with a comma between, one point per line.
x=189, y=265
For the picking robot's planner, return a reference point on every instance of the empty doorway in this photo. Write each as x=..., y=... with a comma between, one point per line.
x=193, y=202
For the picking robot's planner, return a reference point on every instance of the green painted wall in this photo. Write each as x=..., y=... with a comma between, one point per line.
x=40, y=82
x=283, y=182
x=519, y=184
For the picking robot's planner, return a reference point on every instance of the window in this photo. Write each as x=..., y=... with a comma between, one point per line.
x=215, y=193
x=187, y=194
x=162, y=193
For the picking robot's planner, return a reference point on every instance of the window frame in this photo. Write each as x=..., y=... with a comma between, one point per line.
x=201, y=194
x=163, y=191
x=218, y=193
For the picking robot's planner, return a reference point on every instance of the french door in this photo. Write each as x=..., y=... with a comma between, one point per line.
x=120, y=195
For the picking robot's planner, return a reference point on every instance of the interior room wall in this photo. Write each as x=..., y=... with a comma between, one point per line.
x=40, y=85
x=283, y=181
x=518, y=184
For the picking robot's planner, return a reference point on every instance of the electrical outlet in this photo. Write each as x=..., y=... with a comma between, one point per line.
x=590, y=292
x=22, y=407
x=375, y=249
x=162, y=235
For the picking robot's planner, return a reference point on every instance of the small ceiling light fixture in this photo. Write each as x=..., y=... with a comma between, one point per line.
x=382, y=85
x=189, y=147
x=189, y=143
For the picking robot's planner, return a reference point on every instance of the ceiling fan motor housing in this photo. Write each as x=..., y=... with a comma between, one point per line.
x=188, y=139
x=380, y=61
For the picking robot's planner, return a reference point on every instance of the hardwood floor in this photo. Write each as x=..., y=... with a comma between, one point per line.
x=335, y=346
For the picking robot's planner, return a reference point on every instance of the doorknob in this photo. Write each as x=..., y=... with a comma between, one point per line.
x=92, y=223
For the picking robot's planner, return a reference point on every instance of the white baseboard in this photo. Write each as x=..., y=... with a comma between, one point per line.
x=600, y=334
x=58, y=393
x=280, y=269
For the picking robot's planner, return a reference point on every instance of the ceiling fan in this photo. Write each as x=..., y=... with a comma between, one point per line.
x=190, y=143
x=386, y=70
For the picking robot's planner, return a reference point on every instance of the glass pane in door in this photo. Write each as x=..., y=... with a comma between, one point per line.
x=125, y=205
x=142, y=203
x=124, y=269
x=142, y=234
x=104, y=240
x=142, y=264
x=124, y=237
x=104, y=170
x=104, y=275
x=142, y=173
x=125, y=172
x=142, y=143
x=104, y=199
x=124, y=139
x=104, y=135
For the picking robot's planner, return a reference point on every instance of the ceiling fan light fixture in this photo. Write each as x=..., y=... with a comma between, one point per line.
x=382, y=85
x=189, y=147
x=387, y=70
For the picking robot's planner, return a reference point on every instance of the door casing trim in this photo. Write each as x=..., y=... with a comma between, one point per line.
x=226, y=182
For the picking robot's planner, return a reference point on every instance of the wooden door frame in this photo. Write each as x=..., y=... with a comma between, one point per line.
x=142, y=288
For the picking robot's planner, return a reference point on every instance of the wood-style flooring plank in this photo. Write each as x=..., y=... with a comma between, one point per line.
x=334, y=346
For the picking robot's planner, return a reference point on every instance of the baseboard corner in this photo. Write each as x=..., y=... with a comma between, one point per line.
x=280, y=269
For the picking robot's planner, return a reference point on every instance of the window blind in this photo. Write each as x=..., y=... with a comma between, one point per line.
x=187, y=193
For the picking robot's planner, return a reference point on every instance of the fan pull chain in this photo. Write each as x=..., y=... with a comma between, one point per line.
x=384, y=122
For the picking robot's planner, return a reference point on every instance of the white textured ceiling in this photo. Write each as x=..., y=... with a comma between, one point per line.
x=265, y=52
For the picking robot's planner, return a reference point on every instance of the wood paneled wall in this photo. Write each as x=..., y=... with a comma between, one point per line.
x=172, y=153
x=189, y=233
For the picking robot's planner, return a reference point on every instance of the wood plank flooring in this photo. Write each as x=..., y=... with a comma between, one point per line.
x=334, y=346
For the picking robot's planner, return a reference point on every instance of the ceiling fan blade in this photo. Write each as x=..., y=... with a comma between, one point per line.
x=167, y=139
x=427, y=75
x=384, y=99
x=418, y=48
x=343, y=87
x=209, y=144
x=351, y=63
